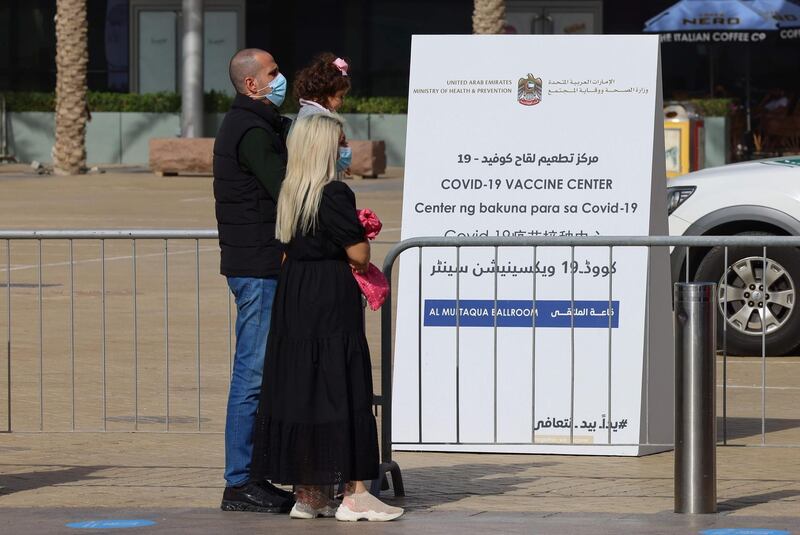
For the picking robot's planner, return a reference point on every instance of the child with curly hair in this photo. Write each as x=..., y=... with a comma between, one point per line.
x=321, y=86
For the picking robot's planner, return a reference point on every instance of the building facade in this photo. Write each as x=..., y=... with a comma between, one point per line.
x=134, y=45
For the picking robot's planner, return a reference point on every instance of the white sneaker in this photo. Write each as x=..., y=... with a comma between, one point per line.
x=307, y=512
x=365, y=506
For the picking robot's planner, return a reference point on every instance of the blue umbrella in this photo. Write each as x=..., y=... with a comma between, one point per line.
x=784, y=12
x=713, y=21
x=710, y=15
x=726, y=16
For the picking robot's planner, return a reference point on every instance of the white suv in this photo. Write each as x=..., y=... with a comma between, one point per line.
x=759, y=197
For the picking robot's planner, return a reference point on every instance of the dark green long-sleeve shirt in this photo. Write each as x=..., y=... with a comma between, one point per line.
x=257, y=156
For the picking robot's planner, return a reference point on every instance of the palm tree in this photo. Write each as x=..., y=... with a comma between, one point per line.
x=72, y=58
x=488, y=16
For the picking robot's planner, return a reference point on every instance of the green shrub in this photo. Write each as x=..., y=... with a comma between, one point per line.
x=388, y=105
x=99, y=102
x=213, y=102
x=130, y=102
x=216, y=102
x=30, y=101
x=713, y=107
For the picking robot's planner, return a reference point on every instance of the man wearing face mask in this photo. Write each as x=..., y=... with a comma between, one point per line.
x=249, y=166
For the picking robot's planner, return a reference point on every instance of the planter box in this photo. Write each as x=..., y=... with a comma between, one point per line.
x=392, y=130
x=31, y=135
x=139, y=128
x=104, y=138
x=123, y=138
x=356, y=126
x=172, y=156
x=369, y=158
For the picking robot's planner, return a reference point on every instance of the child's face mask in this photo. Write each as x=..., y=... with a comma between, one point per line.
x=345, y=158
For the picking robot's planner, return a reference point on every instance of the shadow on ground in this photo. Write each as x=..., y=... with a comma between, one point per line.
x=437, y=485
x=46, y=477
x=738, y=428
x=743, y=502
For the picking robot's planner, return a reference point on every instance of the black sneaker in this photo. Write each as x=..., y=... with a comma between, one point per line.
x=269, y=487
x=254, y=498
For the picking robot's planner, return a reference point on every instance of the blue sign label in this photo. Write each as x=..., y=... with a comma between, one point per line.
x=744, y=531
x=521, y=313
x=111, y=524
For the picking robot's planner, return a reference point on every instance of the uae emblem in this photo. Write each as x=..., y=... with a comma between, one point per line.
x=529, y=90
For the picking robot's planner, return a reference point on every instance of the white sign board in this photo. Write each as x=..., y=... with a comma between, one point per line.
x=519, y=135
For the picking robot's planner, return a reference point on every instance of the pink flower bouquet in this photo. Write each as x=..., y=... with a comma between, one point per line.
x=369, y=220
x=373, y=284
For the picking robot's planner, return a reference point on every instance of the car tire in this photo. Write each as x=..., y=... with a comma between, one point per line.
x=743, y=313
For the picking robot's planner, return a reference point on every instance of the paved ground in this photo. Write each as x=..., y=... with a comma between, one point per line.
x=204, y=521
x=150, y=381
x=50, y=479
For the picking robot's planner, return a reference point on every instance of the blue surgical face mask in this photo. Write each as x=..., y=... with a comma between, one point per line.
x=278, y=93
x=345, y=158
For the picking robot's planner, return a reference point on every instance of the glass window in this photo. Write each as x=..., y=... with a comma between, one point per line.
x=115, y=60
x=220, y=29
x=157, y=51
x=27, y=40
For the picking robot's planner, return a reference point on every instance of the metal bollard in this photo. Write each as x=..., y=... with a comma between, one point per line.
x=695, y=409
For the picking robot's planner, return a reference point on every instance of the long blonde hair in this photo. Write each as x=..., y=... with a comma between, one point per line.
x=313, y=147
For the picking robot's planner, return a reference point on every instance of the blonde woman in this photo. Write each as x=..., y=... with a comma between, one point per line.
x=315, y=426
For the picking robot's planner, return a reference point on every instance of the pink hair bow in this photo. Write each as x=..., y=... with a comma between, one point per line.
x=342, y=65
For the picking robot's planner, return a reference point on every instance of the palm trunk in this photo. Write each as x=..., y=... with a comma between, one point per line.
x=488, y=16
x=72, y=58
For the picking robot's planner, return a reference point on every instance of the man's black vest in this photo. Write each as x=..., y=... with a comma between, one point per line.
x=245, y=210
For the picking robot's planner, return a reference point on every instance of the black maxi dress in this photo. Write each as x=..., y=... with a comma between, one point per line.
x=315, y=424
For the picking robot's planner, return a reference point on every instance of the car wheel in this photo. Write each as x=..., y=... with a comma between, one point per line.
x=747, y=305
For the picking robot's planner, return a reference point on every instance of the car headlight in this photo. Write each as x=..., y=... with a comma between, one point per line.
x=677, y=195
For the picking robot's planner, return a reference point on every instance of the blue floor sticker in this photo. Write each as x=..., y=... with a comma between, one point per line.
x=111, y=524
x=744, y=531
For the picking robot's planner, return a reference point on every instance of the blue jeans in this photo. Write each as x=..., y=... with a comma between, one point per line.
x=254, y=297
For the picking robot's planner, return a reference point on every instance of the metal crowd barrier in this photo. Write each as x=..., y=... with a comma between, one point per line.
x=14, y=366
x=145, y=311
x=683, y=245
x=142, y=355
